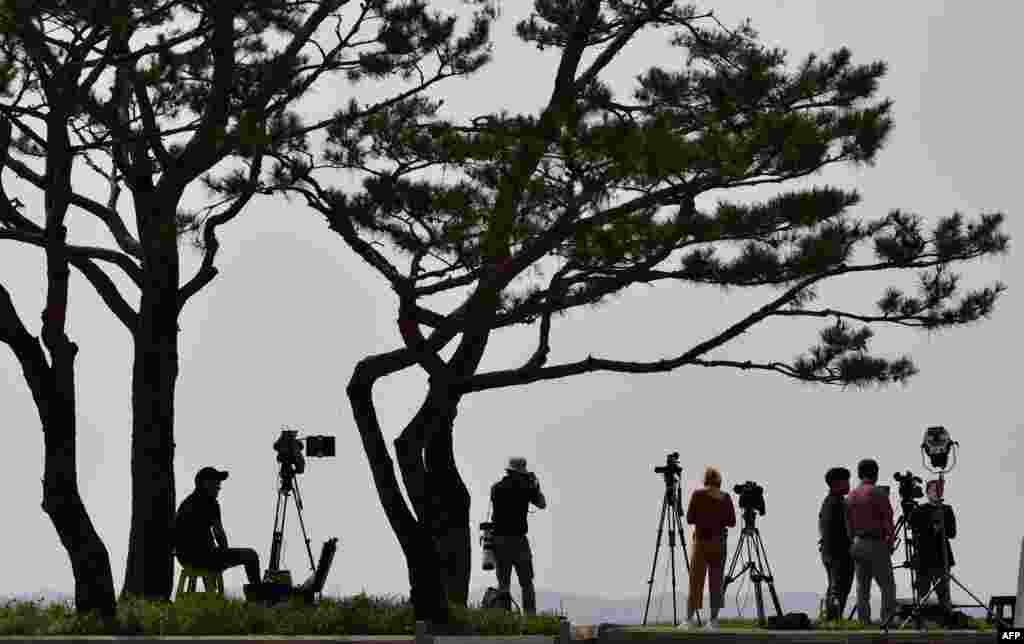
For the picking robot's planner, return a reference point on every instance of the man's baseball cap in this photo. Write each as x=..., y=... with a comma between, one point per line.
x=210, y=474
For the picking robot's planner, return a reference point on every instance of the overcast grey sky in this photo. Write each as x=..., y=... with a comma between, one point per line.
x=274, y=339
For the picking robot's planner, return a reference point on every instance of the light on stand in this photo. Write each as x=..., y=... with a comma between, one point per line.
x=937, y=446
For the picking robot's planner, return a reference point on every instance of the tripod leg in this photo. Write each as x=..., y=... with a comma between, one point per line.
x=763, y=558
x=654, y=566
x=729, y=577
x=678, y=527
x=991, y=615
x=302, y=524
x=672, y=559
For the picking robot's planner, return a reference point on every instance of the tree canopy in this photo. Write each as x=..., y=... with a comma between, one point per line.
x=599, y=192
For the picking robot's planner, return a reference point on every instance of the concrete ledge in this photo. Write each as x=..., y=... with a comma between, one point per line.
x=610, y=633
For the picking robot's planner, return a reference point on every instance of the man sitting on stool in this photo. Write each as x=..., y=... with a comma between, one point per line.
x=197, y=525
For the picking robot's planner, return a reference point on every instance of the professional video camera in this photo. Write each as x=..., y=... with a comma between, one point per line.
x=289, y=450
x=278, y=582
x=671, y=469
x=910, y=487
x=751, y=497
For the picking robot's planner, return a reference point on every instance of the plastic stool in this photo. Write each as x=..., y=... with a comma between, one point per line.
x=213, y=581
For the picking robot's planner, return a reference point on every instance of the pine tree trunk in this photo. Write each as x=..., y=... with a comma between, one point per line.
x=90, y=561
x=53, y=389
x=451, y=520
x=427, y=591
x=53, y=386
x=150, y=568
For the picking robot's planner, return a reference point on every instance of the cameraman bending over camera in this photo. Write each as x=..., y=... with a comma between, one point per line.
x=197, y=525
x=512, y=497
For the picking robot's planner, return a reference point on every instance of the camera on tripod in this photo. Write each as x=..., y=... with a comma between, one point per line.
x=671, y=469
x=751, y=497
x=910, y=487
x=289, y=450
x=277, y=581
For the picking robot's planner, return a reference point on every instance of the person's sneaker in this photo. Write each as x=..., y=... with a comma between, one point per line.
x=688, y=624
x=712, y=625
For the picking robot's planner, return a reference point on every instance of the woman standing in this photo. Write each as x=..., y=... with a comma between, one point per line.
x=711, y=513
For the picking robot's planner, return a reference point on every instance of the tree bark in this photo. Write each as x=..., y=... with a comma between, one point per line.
x=54, y=396
x=451, y=526
x=427, y=591
x=439, y=497
x=149, y=571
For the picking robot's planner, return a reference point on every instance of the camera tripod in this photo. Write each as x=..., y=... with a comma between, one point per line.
x=756, y=563
x=944, y=578
x=672, y=508
x=289, y=484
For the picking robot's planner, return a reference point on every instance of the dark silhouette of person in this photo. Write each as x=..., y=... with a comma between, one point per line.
x=199, y=537
x=926, y=522
x=512, y=496
x=835, y=542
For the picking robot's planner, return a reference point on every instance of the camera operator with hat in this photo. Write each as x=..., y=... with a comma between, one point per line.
x=835, y=542
x=926, y=523
x=511, y=497
x=199, y=537
x=869, y=519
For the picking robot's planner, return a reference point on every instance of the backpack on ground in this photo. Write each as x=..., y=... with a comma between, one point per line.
x=495, y=598
x=790, y=622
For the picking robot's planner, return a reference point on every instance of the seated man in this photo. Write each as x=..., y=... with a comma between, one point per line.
x=197, y=525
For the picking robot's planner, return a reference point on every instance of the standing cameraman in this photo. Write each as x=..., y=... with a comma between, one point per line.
x=835, y=542
x=926, y=525
x=869, y=522
x=512, y=497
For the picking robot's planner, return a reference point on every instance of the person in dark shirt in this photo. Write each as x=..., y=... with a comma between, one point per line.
x=834, y=542
x=511, y=498
x=925, y=523
x=869, y=521
x=199, y=537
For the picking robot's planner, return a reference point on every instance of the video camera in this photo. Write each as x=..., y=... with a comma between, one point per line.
x=289, y=450
x=751, y=496
x=910, y=487
x=670, y=470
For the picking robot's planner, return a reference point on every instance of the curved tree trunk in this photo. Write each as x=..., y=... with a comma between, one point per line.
x=439, y=497
x=451, y=526
x=427, y=591
x=53, y=389
x=150, y=567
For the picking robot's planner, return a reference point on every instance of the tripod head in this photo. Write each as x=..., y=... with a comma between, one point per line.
x=671, y=472
x=749, y=516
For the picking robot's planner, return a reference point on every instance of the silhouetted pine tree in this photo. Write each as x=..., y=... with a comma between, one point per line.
x=596, y=194
x=153, y=97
